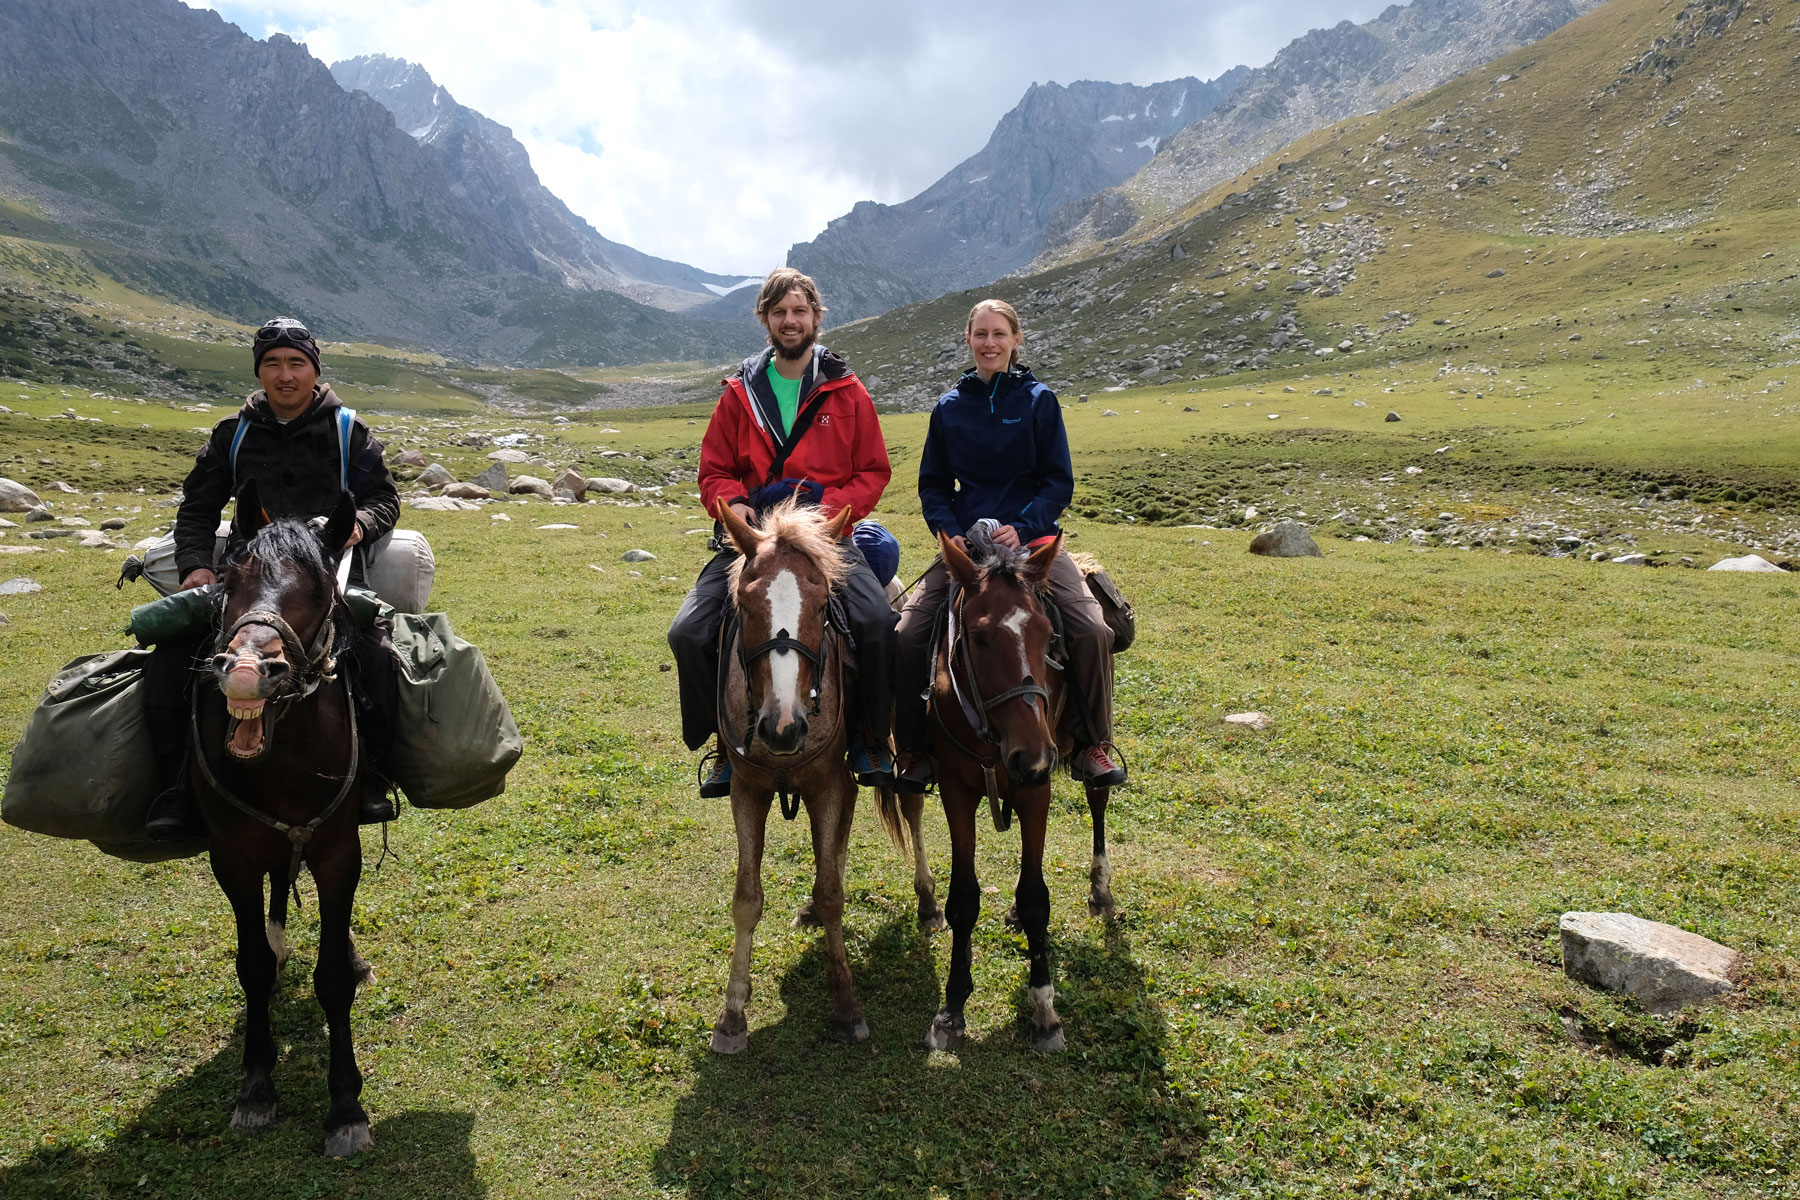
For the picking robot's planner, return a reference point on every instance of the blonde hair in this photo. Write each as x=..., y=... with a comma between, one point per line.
x=780, y=282
x=1005, y=312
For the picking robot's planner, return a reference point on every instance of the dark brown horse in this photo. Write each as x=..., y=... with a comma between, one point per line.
x=781, y=720
x=998, y=731
x=275, y=766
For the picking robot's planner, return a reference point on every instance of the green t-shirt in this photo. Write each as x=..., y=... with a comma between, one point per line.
x=787, y=397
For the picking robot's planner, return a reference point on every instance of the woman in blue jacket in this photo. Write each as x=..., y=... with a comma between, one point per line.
x=996, y=449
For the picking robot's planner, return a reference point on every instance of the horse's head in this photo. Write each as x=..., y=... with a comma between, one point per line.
x=781, y=587
x=280, y=604
x=1002, y=652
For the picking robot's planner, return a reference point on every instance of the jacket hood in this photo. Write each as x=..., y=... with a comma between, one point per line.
x=970, y=381
x=827, y=365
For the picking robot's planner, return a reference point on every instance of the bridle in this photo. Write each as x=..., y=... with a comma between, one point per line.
x=820, y=658
x=978, y=709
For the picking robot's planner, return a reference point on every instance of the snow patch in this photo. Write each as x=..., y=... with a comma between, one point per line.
x=977, y=179
x=1180, y=104
x=716, y=290
x=1150, y=144
x=1114, y=117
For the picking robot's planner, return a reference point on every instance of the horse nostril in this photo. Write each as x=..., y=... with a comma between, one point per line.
x=275, y=668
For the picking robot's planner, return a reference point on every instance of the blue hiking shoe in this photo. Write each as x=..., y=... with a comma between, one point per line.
x=873, y=766
x=717, y=784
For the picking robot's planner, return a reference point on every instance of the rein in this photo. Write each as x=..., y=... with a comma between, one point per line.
x=319, y=666
x=820, y=659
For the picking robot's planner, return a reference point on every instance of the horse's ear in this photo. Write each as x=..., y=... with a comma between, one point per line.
x=1037, y=567
x=839, y=523
x=737, y=529
x=249, y=515
x=340, y=525
x=962, y=569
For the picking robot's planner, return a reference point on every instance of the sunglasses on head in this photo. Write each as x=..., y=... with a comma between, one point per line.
x=288, y=329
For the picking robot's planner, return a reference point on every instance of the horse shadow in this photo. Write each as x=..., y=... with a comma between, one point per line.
x=181, y=1143
x=799, y=1114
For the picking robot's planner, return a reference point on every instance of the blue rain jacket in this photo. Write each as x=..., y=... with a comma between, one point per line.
x=996, y=450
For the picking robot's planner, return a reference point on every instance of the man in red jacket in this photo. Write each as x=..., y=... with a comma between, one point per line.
x=794, y=419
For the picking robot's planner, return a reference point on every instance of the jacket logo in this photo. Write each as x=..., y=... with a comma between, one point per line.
x=824, y=418
x=1011, y=420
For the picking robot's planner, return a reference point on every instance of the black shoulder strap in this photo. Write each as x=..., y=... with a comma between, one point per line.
x=802, y=422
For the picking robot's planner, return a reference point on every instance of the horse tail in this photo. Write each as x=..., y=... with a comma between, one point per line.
x=887, y=803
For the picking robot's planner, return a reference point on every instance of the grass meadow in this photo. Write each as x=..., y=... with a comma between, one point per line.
x=1335, y=968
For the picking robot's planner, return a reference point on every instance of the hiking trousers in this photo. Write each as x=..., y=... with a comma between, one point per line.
x=1087, y=638
x=694, y=640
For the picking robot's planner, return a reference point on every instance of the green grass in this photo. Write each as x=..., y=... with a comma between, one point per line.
x=1336, y=968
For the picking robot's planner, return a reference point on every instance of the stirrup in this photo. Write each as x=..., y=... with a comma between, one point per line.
x=716, y=783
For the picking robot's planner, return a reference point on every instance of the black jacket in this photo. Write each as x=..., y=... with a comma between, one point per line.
x=296, y=471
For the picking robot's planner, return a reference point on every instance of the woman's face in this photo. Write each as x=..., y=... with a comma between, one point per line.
x=992, y=341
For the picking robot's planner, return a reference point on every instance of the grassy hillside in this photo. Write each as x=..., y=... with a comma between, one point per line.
x=1616, y=195
x=1336, y=969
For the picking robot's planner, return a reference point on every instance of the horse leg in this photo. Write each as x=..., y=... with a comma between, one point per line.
x=334, y=983
x=830, y=814
x=731, y=1032
x=931, y=916
x=1032, y=901
x=255, y=1106
x=949, y=1028
x=276, y=929
x=1100, y=897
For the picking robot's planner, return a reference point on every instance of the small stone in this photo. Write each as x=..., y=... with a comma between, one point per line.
x=1392, y=416
x=409, y=458
x=637, y=556
x=1749, y=562
x=1289, y=539
x=611, y=486
x=1496, y=273
x=59, y=486
x=1415, y=470
x=20, y=586
x=510, y=456
x=1255, y=720
x=1666, y=968
x=46, y=534
x=1107, y=412
x=437, y=475
x=75, y=522
x=467, y=491
x=530, y=485
x=665, y=668
x=443, y=504
x=39, y=514
x=1633, y=560
x=559, y=526
x=114, y=523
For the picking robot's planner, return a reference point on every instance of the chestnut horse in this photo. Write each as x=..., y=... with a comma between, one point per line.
x=781, y=705
x=275, y=765
x=997, y=704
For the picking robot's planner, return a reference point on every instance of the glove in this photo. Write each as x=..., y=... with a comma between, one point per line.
x=771, y=494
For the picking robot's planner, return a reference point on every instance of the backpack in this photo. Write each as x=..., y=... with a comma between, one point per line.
x=1115, y=609
x=454, y=740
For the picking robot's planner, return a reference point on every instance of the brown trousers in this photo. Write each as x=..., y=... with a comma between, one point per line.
x=1088, y=645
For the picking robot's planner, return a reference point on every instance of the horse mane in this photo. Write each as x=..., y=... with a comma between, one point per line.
x=803, y=529
x=291, y=540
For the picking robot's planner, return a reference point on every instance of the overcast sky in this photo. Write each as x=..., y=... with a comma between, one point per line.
x=719, y=132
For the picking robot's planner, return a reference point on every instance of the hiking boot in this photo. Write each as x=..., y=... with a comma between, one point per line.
x=872, y=765
x=717, y=784
x=918, y=775
x=377, y=806
x=174, y=816
x=1095, y=765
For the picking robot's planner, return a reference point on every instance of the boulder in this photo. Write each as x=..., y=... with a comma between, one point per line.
x=437, y=475
x=1633, y=560
x=408, y=458
x=1392, y=416
x=467, y=491
x=75, y=522
x=510, y=456
x=572, y=482
x=530, y=485
x=20, y=587
x=1287, y=540
x=114, y=523
x=603, y=483
x=16, y=497
x=1750, y=562
x=637, y=556
x=442, y=504
x=1664, y=967
x=493, y=479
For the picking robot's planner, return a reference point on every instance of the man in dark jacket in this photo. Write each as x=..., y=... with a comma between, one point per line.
x=290, y=437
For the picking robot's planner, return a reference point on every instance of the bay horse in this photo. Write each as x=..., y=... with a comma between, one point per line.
x=275, y=759
x=782, y=721
x=998, y=730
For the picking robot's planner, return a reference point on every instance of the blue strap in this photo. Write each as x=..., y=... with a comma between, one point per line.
x=237, y=439
x=345, y=421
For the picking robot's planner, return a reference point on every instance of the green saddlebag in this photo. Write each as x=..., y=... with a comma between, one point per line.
x=86, y=767
x=455, y=739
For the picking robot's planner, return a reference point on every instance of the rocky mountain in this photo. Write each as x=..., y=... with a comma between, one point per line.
x=986, y=217
x=1316, y=80
x=188, y=160
x=1615, y=197
x=495, y=175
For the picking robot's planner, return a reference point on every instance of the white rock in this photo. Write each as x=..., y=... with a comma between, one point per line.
x=1633, y=560
x=467, y=491
x=436, y=475
x=559, y=526
x=611, y=486
x=1255, y=720
x=443, y=504
x=510, y=456
x=1665, y=967
x=1107, y=412
x=1750, y=562
x=501, y=517
x=20, y=587
x=637, y=556
x=1415, y=470
x=16, y=497
x=530, y=485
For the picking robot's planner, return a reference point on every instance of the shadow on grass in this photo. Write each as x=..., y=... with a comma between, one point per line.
x=797, y=1114
x=181, y=1143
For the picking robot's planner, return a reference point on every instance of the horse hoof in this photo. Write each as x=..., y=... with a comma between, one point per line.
x=351, y=1139
x=1051, y=1041
x=850, y=1032
x=728, y=1043
x=250, y=1117
x=931, y=922
x=361, y=970
x=1100, y=906
x=1011, y=919
x=806, y=918
x=945, y=1032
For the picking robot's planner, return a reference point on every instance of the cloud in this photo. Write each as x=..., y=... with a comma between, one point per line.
x=719, y=132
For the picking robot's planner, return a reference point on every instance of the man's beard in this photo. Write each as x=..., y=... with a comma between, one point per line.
x=804, y=349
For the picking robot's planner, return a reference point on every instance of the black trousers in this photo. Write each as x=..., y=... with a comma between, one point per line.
x=694, y=640
x=178, y=665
